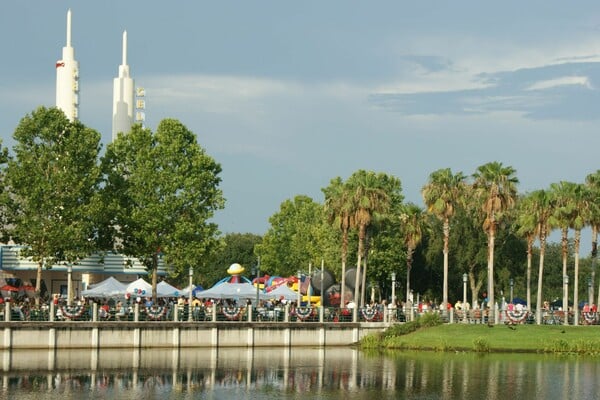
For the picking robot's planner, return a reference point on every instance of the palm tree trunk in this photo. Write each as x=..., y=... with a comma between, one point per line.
x=445, y=280
x=576, y=278
x=594, y=258
x=491, y=300
x=565, y=253
x=409, y=260
x=538, y=306
x=529, y=260
x=344, y=257
x=364, y=271
x=361, y=239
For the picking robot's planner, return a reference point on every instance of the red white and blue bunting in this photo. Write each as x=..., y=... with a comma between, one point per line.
x=589, y=317
x=516, y=316
x=369, y=313
x=232, y=312
x=156, y=313
x=303, y=313
x=72, y=312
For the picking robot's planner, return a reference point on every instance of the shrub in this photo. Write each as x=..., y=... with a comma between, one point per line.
x=481, y=345
x=429, y=319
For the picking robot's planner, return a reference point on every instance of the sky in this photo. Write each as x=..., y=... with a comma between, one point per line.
x=289, y=95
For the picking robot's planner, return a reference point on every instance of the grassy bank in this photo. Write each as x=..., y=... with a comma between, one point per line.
x=484, y=338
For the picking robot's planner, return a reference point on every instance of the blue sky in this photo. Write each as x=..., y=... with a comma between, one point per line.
x=288, y=95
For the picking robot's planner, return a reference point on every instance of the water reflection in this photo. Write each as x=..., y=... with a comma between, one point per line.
x=292, y=373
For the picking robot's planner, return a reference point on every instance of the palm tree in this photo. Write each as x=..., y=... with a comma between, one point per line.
x=592, y=182
x=564, y=214
x=496, y=186
x=369, y=194
x=413, y=226
x=337, y=207
x=527, y=228
x=541, y=209
x=441, y=195
x=581, y=200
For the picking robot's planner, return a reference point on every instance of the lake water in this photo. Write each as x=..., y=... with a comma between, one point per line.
x=331, y=373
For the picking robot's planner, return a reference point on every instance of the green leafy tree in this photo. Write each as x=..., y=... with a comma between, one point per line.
x=299, y=235
x=564, y=209
x=527, y=226
x=414, y=225
x=442, y=194
x=161, y=191
x=371, y=195
x=592, y=182
x=338, y=210
x=496, y=186
x=53, y=180
x=235, y=248
x=541, y=209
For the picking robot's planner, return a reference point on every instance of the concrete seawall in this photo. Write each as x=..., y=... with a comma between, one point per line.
x=139, y=335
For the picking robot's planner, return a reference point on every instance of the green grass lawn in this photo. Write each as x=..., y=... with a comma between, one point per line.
x=500, y=338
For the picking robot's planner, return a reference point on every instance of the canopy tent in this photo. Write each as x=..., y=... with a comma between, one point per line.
x=228, y=290
x=139, y=288
x=164, y=289
x=282, y=291
x=109, y=287
x=185, y=292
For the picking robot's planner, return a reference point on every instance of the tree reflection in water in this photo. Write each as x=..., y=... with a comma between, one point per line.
x=332, y=373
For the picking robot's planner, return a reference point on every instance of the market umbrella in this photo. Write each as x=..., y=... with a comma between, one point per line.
x=518, y=300
x=7, y=290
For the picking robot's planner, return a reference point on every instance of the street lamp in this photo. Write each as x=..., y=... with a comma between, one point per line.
x=256, y=270
x=590, y=293
x=191, y=294
x=69, y=283
x=299, y=288
x=322, y=277
x=512, y=285
x=393, y=289
x=465, y=277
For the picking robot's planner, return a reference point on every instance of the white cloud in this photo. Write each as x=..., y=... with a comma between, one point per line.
x=566, y=80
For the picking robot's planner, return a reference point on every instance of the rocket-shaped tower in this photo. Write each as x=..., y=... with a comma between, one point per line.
x=67, y=78
x=123, y=97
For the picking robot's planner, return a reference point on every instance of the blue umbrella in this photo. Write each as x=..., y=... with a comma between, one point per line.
x=518, y=300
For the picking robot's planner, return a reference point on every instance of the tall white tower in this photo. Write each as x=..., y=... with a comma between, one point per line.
x=123, y=97
x=67, y=78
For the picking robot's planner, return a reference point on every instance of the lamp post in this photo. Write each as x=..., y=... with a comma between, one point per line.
x=566, y=299
x=299, y=289
x=590, y=291
x=322, y=273
x=69, y=283
x=393, y=301
x=512, y=285
x=191, y=294
x=393, y=288
x=257, y=270
x=465, y=277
